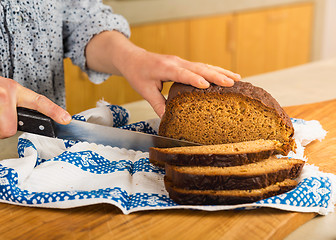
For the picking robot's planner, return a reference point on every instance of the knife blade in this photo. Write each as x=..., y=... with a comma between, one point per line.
x=35, y=122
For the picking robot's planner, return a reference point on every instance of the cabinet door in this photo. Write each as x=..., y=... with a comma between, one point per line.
x=164, y=38
x=81, y=94
x=250, y=43
x=211, y=40
x=273, y=39
x=299, y=37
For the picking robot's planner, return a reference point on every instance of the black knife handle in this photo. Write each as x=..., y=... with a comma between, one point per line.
x=35, y=122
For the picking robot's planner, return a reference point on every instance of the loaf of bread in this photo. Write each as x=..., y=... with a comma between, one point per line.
x=241, y=127
x=221, y=155
x=244, y=177
x=227, y=197
x=218, y=115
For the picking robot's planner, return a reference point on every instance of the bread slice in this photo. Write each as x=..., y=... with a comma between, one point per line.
x=226, y=197
x=245, y=177
x=218, y=115
x=222, y=155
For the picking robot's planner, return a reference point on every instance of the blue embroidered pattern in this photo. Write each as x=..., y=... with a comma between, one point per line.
x=150, y=200
x=298, y=121
x=311, y=192
x=140, y=127
x=22, y=145
x=25, y=143
x=69, y=143
x=79, y=117
x=11, y=192
x=143, y=165
x=93, y=162
x=120, y=115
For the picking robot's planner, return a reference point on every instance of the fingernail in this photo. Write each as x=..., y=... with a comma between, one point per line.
x=229, y=81
x=204, y=83
x=67, y=117
x=238, y=75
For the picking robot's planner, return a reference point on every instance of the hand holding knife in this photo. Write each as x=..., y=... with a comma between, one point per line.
x=34, y=122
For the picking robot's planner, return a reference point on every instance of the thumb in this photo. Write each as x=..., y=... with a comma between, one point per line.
x=158, y=103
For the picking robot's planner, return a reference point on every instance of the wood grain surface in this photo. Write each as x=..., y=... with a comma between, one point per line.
x=104, y=221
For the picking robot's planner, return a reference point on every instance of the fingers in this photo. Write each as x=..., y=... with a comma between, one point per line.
x=13, y=95
x=8, y=116
x=232, y=75
x=8, y=122
x=157, y=101
x=183, y=75
x=198, y=74
x=30, y=99
x=216, y=75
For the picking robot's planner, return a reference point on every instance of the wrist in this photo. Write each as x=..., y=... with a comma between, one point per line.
x=125, y=54
x=110, y=52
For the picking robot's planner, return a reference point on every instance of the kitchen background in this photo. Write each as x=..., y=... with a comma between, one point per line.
x=247, y=37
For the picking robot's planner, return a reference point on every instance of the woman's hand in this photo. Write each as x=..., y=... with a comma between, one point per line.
x=147, y=71
x=14, y=95
x=111, y=52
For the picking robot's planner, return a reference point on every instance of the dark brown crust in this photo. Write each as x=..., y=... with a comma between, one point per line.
x=241, y=88
x=207, y=199
x=231, y=182
x=159, y=158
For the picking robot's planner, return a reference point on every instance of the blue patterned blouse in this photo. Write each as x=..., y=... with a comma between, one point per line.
x=36, y=35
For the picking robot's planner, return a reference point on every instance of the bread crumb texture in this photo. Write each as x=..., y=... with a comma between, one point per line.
x=225, y=115
x=241, y=127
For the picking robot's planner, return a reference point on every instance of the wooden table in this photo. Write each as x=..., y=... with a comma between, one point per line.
x=104, y=221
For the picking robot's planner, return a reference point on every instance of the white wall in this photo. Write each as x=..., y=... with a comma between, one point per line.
x=324, y=45
x=329, y=41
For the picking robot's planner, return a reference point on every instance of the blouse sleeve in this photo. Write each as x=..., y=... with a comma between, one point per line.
x=82, y=19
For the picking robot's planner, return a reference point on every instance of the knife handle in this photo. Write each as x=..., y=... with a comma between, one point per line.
x=35, y=122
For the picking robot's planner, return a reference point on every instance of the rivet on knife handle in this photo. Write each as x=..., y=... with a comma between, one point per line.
x=35, y=122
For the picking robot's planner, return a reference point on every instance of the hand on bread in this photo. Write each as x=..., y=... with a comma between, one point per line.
x=150, y=70
x=112, y=52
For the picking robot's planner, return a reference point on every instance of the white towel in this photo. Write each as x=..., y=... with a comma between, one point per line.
x=64, y=174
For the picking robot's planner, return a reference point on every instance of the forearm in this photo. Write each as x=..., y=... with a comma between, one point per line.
x=109, y=52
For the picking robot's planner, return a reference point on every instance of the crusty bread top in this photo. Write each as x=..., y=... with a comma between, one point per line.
x=242, y=88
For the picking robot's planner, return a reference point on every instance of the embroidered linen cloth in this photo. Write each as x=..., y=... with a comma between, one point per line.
x=55, y=173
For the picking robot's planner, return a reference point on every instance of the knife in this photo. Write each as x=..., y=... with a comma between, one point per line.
x=35, y=122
